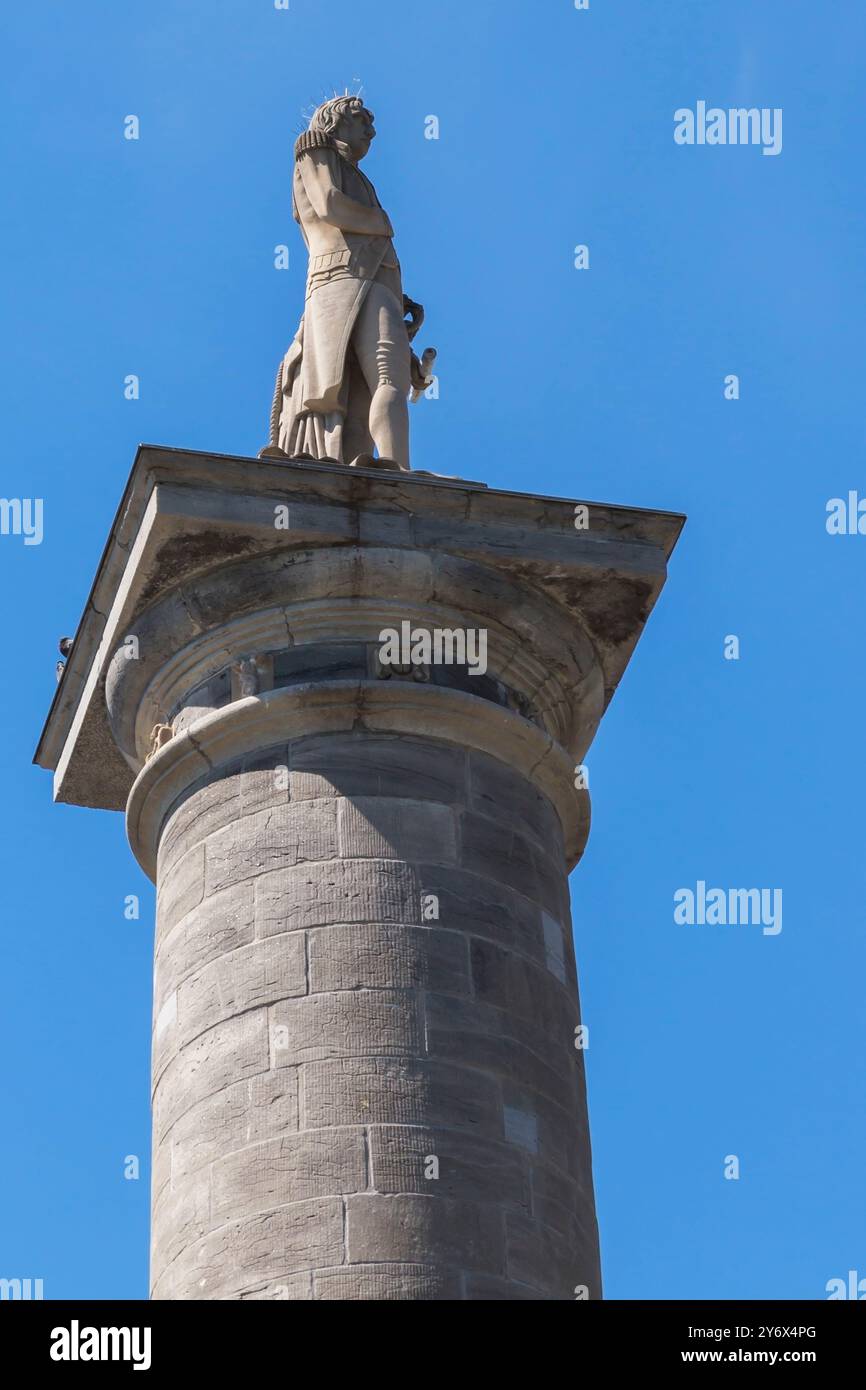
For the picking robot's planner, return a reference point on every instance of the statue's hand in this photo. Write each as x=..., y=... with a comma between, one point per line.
x=417, y=315
x=421, y=372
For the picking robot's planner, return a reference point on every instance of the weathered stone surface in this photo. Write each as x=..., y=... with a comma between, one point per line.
x=511, y=982
x=553, y=1261
x=501, y=794
x=321, y=661
x=254, y=975
x=338, y=892
x=407, y=1228
x=181, y=1214
x=378, y=957
x=469, y=1168
x=388, y=1283
x=384, y=827
x=256, y=1251
x=556, y=1196
x=291, y=1169
x=376, y=766
x=555, y=953
x=481, y=1288
x=263, y=1107
x=482, y=1035
x=181, y=890
x=223, y=923
x=384, y=1090
x=286, y=1288
x=556, y=1120
x=521, y=1128
x=347, y=1024
x=503, y=854
x=265, y=780
x=271, y=839
x=483, y=907
x=161, y=1168
x=207, y=807
x=232, y=1050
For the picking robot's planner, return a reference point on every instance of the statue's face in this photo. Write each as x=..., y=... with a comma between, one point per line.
x=356, y=130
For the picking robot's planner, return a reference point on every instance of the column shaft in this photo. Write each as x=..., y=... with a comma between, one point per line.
x=364, y=1074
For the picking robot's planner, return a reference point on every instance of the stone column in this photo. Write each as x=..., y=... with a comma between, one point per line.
x=365, y=1077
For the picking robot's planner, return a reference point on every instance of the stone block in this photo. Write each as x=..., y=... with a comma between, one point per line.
x=525, y=991
x=364, y=956
x=521, y=1128
x=394, y=1283
x=481, y=1035
x=353, y=765
x=336, y=892
x=557, y=1197
x=483, y=907
x=469, y=1168
x=272, y=839
x=386, y=528
x=385, y=1229
x=219, y=925
x=348, y=1024
x=505, y=796
x=254, y=975
x=227, y=1053
x=294, y=1168
x=263, y=1107
x=384, y=827
x=164, y=1038
x=504, y=854
x=180, y=890
x=181, y=1215
x=383, y=1090
x=560, y=1139
x=555, y=953
x=264, y=780
x=207, y=807
x=552, y=1261
x=259, y=1250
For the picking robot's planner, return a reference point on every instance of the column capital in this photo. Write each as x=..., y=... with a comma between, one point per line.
x=199, y=571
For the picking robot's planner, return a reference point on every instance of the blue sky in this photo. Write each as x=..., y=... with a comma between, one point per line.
x=155, y=257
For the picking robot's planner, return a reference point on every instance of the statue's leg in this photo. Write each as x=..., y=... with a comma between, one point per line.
x=356, y=431
x=382, y=347
x=332, y=432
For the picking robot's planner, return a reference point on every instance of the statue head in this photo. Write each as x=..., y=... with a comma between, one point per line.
x=348, y=122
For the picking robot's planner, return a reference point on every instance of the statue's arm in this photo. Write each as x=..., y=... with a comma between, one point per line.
x=332, y=205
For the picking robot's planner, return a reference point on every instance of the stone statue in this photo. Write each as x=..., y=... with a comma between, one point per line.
x=160, y=735
x=342, y=387
x=65, y=645
x=248, y=672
